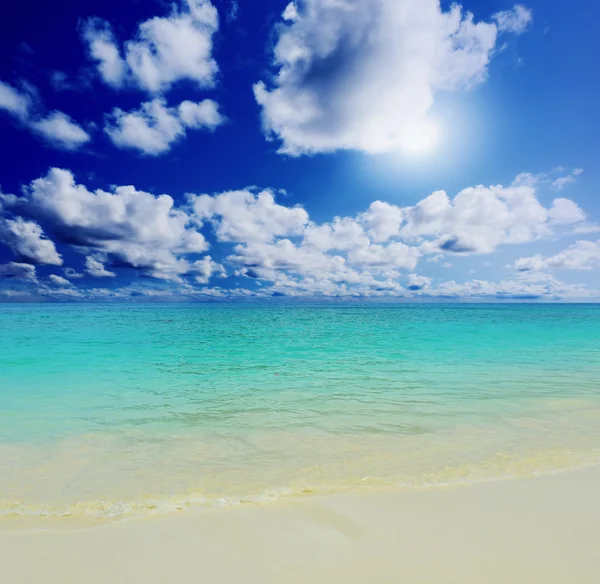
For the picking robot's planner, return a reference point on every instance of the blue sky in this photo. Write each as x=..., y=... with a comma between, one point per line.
x=385, y=149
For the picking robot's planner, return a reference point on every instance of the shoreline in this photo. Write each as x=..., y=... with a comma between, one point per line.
x=539, y=529
x=58, y=520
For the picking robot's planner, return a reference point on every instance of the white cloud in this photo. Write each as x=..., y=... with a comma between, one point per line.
x=154, y=128
x=416, y=282
x=562, y=181
x=94, y=267
x=565, y=212
x=393, y=255
x=281, y=245
x=363, y=74
x=151, y=129
x=582, y=255
x=556, y=179
x=245, y=217
x=164, y=50
x=479, y=219
x=515, y=20
x=205, y=269
x=544, y=288
x=382, y=220
x=283, y=252
x=200, y=115
x=18, y=271
x=343, y=234
x=58, y=280
x=13, y=101
x=27, y=241
x=133, y=227
x=59, y=129
x=104, y=50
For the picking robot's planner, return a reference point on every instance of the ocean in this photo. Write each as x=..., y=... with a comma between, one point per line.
x=111, y=411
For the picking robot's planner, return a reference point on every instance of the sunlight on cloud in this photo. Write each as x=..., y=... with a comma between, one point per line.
x=364, y=75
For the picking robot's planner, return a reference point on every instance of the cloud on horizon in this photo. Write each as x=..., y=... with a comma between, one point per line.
x=278, y=250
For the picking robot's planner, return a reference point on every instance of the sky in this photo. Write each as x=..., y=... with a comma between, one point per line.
x=398, y=150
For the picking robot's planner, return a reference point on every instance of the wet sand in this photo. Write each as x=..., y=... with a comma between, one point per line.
x=544, y=529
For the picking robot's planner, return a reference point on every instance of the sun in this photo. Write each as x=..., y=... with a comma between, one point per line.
x=420, y=138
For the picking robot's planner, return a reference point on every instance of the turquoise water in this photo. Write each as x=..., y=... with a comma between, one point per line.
x=119, y=410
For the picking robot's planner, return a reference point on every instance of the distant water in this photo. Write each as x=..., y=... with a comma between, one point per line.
x=116, y=411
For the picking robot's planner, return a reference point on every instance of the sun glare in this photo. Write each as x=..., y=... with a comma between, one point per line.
x=420, y=138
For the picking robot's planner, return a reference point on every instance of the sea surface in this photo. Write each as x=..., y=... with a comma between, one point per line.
x=114, y=411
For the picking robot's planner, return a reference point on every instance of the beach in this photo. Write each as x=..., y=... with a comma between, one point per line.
x=543, y=529
x=306, y=444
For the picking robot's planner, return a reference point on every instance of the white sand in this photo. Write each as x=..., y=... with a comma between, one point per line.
x=544, y=530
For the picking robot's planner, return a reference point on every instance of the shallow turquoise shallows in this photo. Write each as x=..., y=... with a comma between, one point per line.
x=120, y=410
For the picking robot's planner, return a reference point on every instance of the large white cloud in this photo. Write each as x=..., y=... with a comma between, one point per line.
x=154, y=128
x=582, y=255
x=56, y=128
x=479, y=219
x=362, y=74
x=130, y=226
x=267, y=240
x=281, y=245
x=164, y=50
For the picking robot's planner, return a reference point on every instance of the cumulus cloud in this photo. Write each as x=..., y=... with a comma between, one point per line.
x=279, y=250
x=582, y=255
x=515, y=20
x=205, y=269
x=363, y=74
x=544, y=288
x=416, y=282
x=164, y=50
x=479, y=219
x=18, y=271
x=57, y=128
x=247, y=217
x=200, y=115
x=27, y=241
x=133, y=227
x=565, y=212
x=154, y=128
x=281, y=245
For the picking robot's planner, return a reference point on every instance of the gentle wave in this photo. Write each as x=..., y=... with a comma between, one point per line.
x=447, y=478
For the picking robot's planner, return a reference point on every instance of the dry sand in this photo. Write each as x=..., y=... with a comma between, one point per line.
x=542, y=530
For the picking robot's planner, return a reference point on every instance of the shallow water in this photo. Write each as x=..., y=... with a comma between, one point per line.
x=117, y=410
